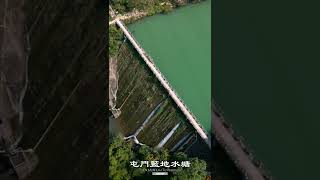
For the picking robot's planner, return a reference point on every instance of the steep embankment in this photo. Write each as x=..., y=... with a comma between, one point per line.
x=65, y=103
x=13, y=71
x=142, y=101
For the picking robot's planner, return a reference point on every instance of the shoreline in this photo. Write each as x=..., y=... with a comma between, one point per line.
x=136, y=15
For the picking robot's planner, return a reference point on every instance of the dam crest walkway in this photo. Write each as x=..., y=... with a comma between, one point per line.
x=148, y=60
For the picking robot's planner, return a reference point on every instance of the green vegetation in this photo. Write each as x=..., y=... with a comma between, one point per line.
x=150, y=6
x=115, y=37
x=122, y=152
x=196, y=172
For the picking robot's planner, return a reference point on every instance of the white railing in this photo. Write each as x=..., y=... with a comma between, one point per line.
x=187, y=112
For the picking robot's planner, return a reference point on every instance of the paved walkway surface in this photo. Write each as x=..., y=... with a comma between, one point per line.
x=134, y=14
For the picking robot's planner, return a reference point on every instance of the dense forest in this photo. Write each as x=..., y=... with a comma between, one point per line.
x=115, y=37
x=150, y=6
x=121, y=152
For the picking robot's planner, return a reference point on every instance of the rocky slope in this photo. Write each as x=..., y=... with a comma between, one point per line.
x=65, y=121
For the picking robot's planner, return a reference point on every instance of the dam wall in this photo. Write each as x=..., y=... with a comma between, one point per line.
x=139, y=93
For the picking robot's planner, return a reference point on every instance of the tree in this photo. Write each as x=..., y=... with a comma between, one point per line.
x=121, y=152
x=197, y=171
x=148, y=154
x=120, y=5
x=166, y=8
x=139, y=4
x=115, y=36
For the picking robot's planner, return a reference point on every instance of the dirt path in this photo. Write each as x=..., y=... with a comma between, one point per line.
x=131, y=15
x=135, y=14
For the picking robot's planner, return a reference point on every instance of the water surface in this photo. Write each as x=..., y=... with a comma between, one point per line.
x=180, y=45
x=266, y=78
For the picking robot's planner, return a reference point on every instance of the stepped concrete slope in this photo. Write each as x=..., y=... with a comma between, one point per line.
x=147, y=59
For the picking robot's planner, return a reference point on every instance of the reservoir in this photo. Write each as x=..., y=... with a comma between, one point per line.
x=180, y=45
x=266, y=80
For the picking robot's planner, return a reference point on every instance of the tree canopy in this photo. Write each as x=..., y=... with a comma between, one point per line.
x=115, y=37
x=149, y=6
x=121, y=152
x=123, y=6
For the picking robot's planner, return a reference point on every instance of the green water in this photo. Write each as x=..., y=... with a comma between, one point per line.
x=180, y=45
x=266, y=78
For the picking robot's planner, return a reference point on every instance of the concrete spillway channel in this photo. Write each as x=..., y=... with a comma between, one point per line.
x=146, y=109
x=134, y=136
x=177, y=100
x=168, y=136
